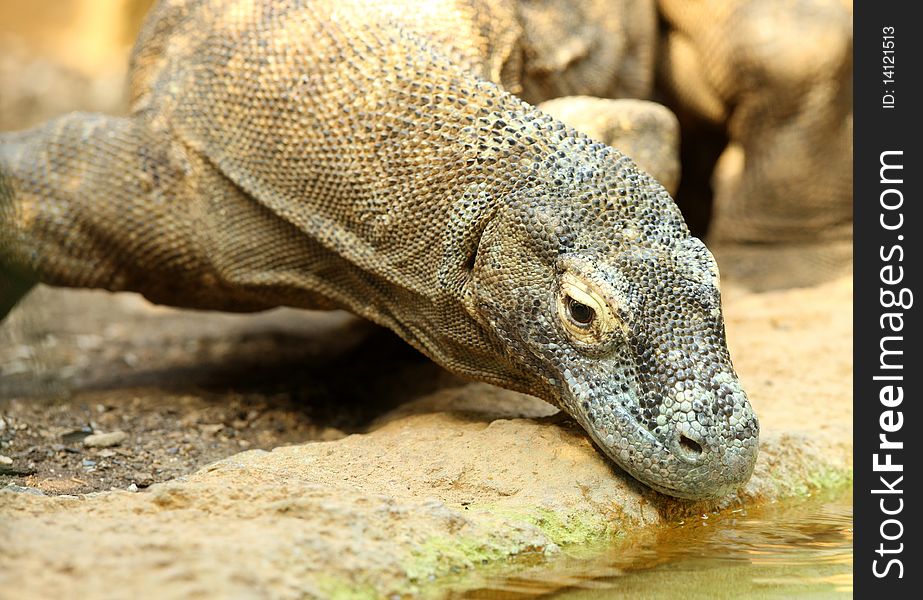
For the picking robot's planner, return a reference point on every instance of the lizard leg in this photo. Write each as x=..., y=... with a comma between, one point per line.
x=104, y=202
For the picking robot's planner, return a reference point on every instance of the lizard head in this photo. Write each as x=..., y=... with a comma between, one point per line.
x=590, y=279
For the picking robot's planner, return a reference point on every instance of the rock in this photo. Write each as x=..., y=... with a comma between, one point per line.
x=328, y=434
x=63, y=448
x=16, y=471
x=211, y=428
x=142, y=480
x=76, y=436
x=415, y=500
x=105, y=440
x=5, y=460
x=19, y=489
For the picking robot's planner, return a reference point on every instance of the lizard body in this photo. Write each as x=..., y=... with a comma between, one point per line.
x=368, y=156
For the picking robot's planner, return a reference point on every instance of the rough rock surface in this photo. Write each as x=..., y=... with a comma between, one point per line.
x=451, y=480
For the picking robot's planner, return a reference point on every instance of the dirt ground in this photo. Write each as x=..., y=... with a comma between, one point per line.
x=185, y=388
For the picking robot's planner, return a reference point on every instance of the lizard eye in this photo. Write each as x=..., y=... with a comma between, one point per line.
x=588, y=318
x=580, y=313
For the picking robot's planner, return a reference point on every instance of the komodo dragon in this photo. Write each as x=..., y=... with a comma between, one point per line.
x=776, y=77
x=368, y=156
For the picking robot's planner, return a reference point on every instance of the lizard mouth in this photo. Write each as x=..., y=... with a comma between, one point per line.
x=718, y=492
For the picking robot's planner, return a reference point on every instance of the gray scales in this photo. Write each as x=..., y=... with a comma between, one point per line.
x=371, y=156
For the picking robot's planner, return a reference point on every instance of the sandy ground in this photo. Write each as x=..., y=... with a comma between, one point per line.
x=430, y=477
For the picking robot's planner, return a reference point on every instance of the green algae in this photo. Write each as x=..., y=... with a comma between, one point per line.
x=510, y=533
x=342, y=589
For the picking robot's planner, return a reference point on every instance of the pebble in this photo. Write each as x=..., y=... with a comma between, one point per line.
x=5, y=460
x=133, y=488
x=77, y=436
x=63, y=448
x=142, y=479
x=6, y=469
x=19, y=489
x=330, y=434
x=105, y=440
x=211, y=428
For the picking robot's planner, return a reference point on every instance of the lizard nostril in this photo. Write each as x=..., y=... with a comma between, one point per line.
x=692, y=448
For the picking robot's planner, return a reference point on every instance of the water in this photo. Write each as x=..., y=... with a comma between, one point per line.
x=796, y=549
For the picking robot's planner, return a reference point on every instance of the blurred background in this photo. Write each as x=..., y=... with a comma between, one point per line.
x=62, y=55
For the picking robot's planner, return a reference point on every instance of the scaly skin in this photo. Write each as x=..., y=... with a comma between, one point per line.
x=646, y=131
x=366, y=156
x=777, y=77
